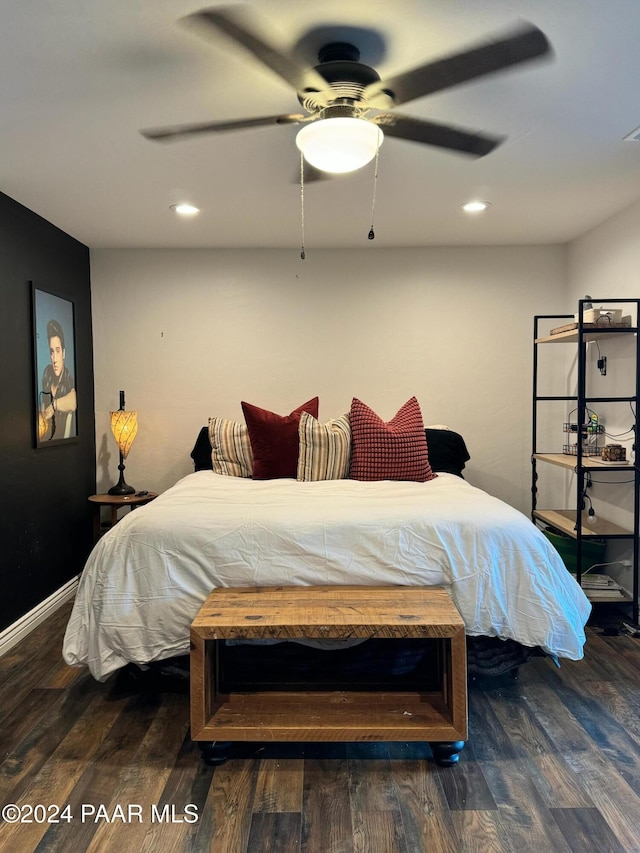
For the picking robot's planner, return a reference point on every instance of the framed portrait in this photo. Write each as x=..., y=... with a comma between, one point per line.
x=54, y=356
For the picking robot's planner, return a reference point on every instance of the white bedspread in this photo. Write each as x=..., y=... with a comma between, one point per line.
x=147, y=577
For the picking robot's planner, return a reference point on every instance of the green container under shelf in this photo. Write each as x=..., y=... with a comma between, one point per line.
x=567, y=547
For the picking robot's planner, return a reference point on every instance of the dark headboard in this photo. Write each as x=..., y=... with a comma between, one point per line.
x=447, y=451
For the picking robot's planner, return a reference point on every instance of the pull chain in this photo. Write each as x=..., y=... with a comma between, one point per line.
x=302, y=255
x=372, y=233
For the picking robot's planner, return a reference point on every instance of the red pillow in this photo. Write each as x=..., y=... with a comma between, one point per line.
x=274, y=440
x=396, y=450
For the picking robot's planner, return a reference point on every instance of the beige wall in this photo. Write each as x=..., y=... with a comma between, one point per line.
x=190, y=333
x=605, y=262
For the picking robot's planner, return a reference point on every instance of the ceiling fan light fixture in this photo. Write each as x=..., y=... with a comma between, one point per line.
x=339, y=145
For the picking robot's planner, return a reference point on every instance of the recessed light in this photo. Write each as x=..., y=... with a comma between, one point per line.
x=184, y=209
x=475, y=206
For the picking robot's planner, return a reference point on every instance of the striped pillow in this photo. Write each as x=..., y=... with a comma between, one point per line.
x=325, y=449
x=396, y=450
x=230, y=448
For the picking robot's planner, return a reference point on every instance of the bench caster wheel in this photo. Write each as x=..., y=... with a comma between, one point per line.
x=216, y=752
x=446, y=753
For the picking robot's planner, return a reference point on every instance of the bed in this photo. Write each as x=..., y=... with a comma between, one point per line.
x=147, y=576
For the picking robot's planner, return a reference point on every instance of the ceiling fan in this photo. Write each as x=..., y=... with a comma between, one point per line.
x=343, y=96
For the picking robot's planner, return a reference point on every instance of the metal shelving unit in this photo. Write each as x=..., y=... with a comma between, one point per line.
x=575, y=521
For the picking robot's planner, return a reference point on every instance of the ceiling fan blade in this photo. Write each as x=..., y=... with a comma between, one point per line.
x=180, y=131
x=440, y=135
x=243, y=29
x=525, y=43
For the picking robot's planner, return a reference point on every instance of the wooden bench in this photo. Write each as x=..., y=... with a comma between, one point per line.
x=329, y=612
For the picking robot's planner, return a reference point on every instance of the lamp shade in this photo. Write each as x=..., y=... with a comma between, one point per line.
x=339, y=144
x=124, y=426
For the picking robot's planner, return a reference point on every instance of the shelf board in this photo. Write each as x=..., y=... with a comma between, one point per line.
x=330, y=716
x=596, y=597
x=565, y=519
x=564, y=460
x=572, y=336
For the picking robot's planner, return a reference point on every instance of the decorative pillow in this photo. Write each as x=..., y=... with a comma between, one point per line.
x=325, y=449
x=230, y=448
x=274, y=439
x=396, y=450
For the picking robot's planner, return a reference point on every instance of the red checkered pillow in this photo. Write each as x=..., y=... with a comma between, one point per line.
x=396, y=450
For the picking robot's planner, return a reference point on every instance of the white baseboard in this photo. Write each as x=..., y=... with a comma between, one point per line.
x=12, y=635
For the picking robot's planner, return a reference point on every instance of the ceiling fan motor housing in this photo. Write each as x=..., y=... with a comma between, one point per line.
x=346, y=76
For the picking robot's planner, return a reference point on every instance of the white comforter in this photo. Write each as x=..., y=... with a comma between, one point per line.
x=147, y=577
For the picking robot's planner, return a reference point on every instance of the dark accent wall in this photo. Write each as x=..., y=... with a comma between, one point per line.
x=45, y=521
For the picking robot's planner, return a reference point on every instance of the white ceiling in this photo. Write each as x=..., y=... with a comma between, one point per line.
x=79, y=78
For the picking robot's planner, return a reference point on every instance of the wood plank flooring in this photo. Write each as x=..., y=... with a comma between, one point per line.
x=552, y=764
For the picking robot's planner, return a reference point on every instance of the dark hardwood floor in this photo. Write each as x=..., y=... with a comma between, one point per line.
x=552, y=764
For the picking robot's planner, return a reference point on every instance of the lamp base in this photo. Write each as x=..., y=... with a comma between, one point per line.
x=121, y=488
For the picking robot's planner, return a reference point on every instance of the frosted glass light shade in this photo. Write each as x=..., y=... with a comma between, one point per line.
x=339, y=144
x=124, y=426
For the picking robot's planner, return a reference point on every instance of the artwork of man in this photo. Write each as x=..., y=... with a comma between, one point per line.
x=58, y=399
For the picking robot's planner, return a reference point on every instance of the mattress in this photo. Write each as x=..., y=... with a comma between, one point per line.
x=147, y=577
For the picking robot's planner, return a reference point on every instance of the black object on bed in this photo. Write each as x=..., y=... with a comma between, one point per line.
x=447, y=451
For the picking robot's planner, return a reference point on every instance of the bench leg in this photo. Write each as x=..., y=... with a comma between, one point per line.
x=446, y=753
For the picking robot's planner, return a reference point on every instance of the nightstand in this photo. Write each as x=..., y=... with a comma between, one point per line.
x=116, y=502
